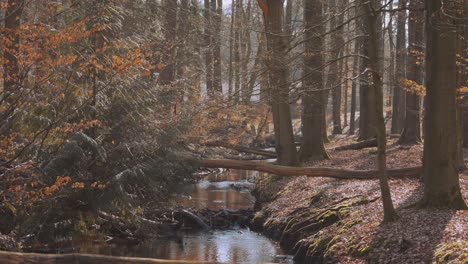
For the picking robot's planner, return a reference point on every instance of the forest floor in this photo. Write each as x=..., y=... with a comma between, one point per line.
x=329, y=220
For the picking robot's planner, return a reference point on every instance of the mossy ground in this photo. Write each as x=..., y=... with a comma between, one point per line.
x=322, y=220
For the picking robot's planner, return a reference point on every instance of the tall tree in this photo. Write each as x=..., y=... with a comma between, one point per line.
x=398, y=107
x=376, y=92
x=334, y=76
x=440, y=172
x=169, y=55
x=412, y=126
x=464, y=80
x=273, y=14
x=246, y=52
x=231, y=49
x=237, y=52
x=354, y=88
x=208, y=49
x=313, y=145
x=367, y=118
x=289, y=19
x=197, y=39
x=217, y=8
x=11, y=76
x=460, y=98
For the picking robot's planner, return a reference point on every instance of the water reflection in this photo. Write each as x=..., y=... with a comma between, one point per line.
x=231, y=246
x=228, y=190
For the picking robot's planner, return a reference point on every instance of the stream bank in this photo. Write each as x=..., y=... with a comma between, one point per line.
x=208, y=222
x=324, y=220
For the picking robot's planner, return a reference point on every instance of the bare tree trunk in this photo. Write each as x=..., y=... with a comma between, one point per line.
x=217, y=8
x=326, y=93
x=367, y=118
x=398, y=112
x=195, y=92
x=208, y=49
x=231, y=48
x=313, y=146
x=183, y=31
x=289, y=23
x=412, y=126
x=264, y=79
x=237, y=56
x=273, y=13
x=356, y=63
x=376, y=92
x=440, y=172
x=257, y=67
x=169, y=56
x=309, y=171
x=464, y=80
x=246, y=53
x=391, y=72
x=334, y=75
x=345, y=74
x=460, y=65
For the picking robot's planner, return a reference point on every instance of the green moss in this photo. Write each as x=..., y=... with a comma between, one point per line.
x=363, y=251
x=328, y=216
x=357, y=250
x=451, y=253
x=285, y=191
x=347, y=225
x=315, y=197
x=344, y=212
x=320, y=244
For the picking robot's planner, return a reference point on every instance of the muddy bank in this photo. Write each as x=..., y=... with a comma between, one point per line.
x=331, y=221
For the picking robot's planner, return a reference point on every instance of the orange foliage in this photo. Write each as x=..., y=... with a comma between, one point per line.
x=413, y=87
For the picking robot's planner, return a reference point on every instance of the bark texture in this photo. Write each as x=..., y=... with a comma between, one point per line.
x=412, y=126
x=398, y=107
x=354, y=88
x=168, y=73
x=217, y=7
x=334, y=76
x=367, y=118
x=440, y=172
x=377, y=93
x=313, y=145
x=273, y=13
x=208, y=49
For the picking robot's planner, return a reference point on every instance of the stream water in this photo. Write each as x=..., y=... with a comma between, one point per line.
x=228, y=190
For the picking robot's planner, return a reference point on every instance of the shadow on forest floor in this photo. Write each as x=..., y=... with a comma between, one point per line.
x=414, y=237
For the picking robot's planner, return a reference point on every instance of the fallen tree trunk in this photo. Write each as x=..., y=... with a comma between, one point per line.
x=308, y=171
x=370, y=143
x=246, y=157
x=266, y=153
x=31, y=258
x=195, y=218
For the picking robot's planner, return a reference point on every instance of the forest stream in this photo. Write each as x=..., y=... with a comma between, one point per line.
x=228, y=191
